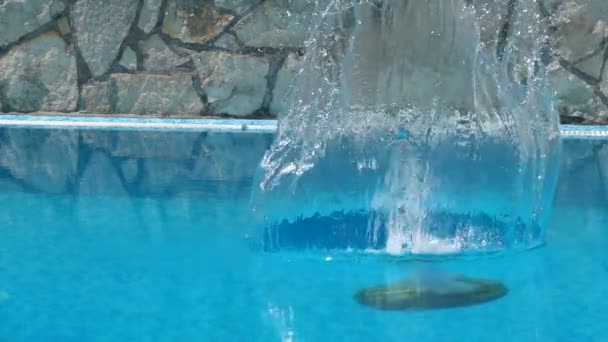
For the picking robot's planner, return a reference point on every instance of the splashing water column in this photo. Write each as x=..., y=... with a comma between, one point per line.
x=419, y=127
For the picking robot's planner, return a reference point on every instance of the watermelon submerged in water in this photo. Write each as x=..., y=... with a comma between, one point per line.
x=426, y=293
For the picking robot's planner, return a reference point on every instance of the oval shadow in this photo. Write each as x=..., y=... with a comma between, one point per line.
x=428, y=293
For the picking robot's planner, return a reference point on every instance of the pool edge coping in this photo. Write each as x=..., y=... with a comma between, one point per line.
x=131, y=123
x=52, y=121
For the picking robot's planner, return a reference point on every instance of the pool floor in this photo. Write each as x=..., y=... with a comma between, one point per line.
x=183, y=269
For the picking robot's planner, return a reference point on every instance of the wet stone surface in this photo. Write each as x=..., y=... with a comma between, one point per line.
x=167, y=38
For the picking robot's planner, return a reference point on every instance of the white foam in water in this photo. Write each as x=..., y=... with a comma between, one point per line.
x=398, y=245
x=435, y=246
x=418, y=112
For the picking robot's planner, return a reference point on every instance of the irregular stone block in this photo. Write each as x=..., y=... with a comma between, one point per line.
x=283, y=92
x=156, y=94
x=101, y=27
x=63, y=24
x=149, y=15
x=277, y=24
x=194, y=22
x=20, y=17
x=234, y=84
x=576, y=100
x=39, y=75
x=95, y=98
x=581, y=30
x=568, y=87
x=239, y=6
x=129, y=59
x=228, y=41
x=492, y=15
x=158, y=56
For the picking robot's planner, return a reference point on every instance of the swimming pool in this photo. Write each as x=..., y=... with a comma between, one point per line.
x=112, y=234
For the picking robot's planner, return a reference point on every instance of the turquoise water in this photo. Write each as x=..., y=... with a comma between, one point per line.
x=182, y=268
x=147, y=236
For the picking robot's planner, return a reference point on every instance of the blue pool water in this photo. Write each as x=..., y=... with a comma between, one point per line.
x=181, y=266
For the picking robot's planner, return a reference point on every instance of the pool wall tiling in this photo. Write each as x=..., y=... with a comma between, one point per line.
x=89, y=155
x=88, y=162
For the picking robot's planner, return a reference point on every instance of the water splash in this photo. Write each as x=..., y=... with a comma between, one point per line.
x=419, y=127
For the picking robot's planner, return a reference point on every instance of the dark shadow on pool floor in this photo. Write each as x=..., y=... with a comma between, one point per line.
x=428, y=293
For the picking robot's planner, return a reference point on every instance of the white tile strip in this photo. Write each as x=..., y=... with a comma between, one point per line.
x=229, y=125
x=583, y=133
x=234, y=126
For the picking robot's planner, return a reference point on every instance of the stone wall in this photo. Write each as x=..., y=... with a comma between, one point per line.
x=222, y=57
